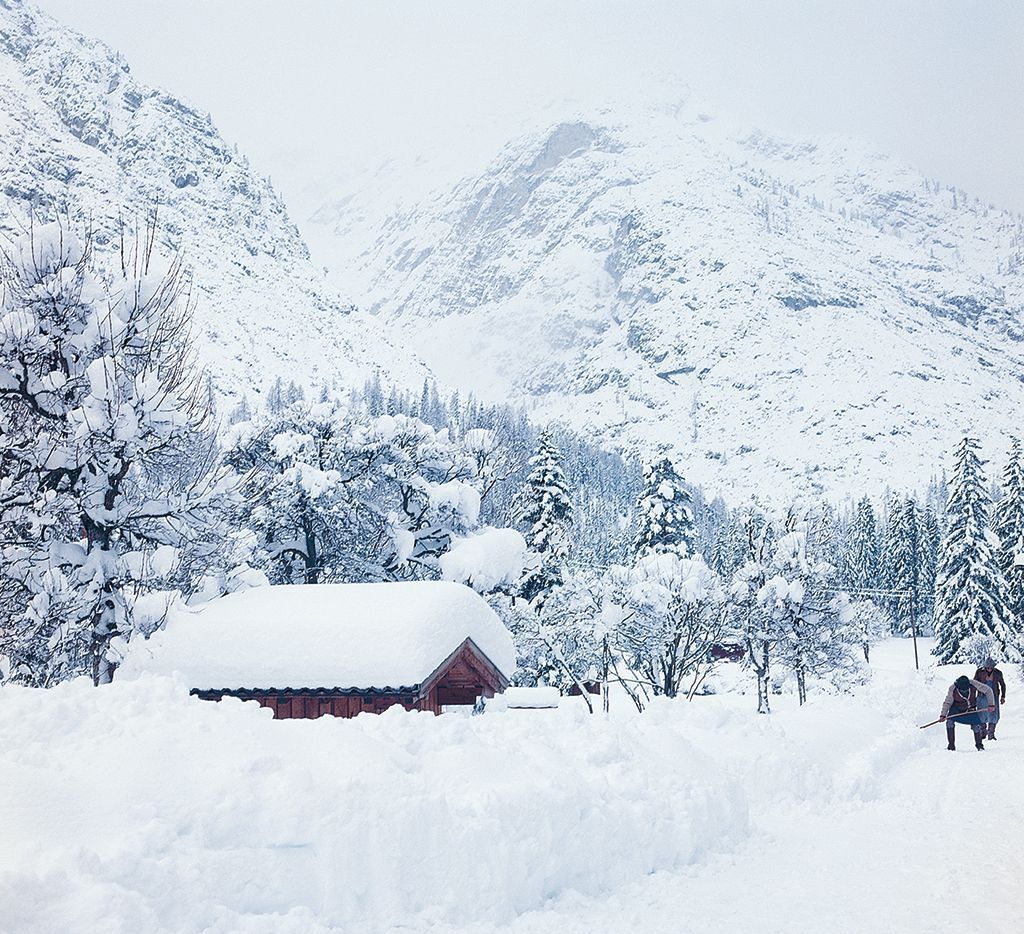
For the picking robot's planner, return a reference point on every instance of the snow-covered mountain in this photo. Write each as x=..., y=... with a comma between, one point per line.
x=78, y=132
x=783, y=316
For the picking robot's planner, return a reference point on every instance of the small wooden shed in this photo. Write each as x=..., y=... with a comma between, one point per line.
x=311, y=650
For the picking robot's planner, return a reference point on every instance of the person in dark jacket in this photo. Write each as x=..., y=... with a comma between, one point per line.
x=993, y=677
x=961, y=706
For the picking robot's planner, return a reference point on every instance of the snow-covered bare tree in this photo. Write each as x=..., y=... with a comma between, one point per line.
x=811, y=636
x=337, y=494
x=753, y=623
x=106, y=446
x=865, y=621
x=564, y=644
x=298, y=483
x=675, y=613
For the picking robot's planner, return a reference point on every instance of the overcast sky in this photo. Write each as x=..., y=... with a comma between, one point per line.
x=315, y=88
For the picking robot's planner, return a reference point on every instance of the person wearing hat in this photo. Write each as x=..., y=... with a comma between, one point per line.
x=961, y=706
x=993, y=677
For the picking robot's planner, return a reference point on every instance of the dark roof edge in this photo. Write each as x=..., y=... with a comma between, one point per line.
x=334, y=692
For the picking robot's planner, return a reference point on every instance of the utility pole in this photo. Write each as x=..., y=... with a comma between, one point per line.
x=913, y=629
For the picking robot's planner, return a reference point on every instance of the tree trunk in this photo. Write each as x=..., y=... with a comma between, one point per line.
x=763, y=703
x=605, y=693
x=102, y=631
x=763, y=673
x=312, y=574
x=102, y=628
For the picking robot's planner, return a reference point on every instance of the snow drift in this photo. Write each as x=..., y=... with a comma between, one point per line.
x=135, y=807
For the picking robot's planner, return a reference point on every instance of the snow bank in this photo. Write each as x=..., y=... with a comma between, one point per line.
x=837, y=748
x=316, y=635
x=524, y=699
x=135, y=807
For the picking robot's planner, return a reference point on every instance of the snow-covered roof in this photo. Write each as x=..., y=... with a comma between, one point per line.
x=323, y=635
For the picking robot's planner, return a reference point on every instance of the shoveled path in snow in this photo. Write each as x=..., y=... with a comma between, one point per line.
x=895, y=834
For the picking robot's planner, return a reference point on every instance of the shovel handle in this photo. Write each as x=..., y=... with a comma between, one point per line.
x=951, y=716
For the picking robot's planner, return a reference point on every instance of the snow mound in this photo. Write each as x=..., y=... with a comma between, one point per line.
x=323, y=635
x=135, y=807
x=525, y=699
x=486, y=560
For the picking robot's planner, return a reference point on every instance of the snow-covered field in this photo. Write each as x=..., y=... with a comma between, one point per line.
x=136, y=808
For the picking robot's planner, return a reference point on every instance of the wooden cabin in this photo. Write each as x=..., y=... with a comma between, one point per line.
x=460, y=680
x=306, y=651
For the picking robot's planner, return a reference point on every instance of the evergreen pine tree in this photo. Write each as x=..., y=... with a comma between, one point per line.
x=241, y=412
x=1009, y=526
x=548, y=511
x=930, y=540
x=903, y=569
x=455, y=412
x=665, y=514
x=970, y=603
x=862, y=561
x=424, y=409
x=275, y=396
x=436, y=414
x=889, y=557
x=292, y=394
x=374, y=396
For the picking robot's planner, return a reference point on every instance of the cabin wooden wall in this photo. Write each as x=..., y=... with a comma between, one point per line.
x=311, y=706
x=461, y=685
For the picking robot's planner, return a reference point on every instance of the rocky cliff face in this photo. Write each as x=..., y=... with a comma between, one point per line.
x=784, y=317
x=79, y=135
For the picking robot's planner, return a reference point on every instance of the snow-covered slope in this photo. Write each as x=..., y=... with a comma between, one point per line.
x=78, y=132
x=785, y=317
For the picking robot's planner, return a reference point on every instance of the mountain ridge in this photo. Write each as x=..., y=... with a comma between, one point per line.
x=79, y=135
x=813, y=314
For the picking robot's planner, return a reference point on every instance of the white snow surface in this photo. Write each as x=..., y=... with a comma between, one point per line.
x=134, y=807
x=525, y=699
x=322, y=635
x=140, y=809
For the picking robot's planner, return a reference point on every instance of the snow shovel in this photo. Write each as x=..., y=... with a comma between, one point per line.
x=951, y=716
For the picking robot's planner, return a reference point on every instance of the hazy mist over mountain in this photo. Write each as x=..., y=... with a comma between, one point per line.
x=315, y=91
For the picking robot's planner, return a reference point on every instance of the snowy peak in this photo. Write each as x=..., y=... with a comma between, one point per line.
x=79, y=134
x=800, y=316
